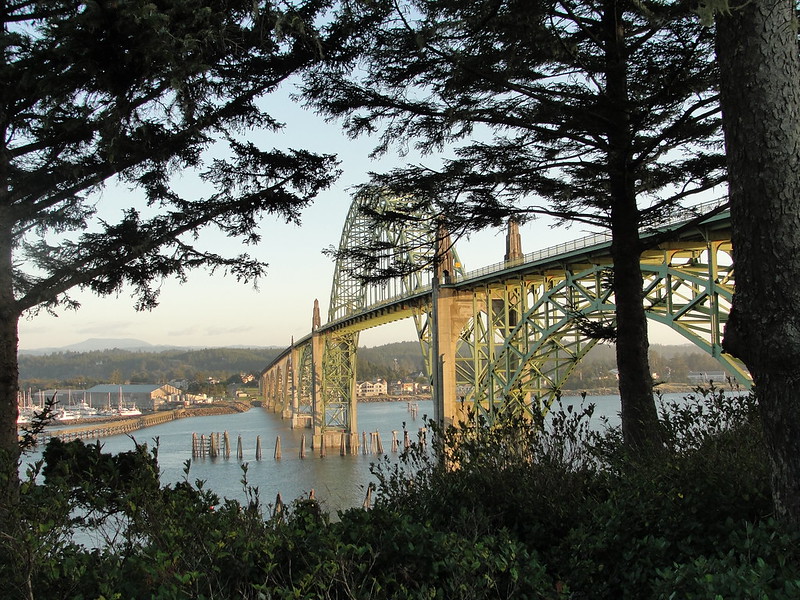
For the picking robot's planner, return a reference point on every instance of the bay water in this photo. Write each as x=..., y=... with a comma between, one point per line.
x=339, y=482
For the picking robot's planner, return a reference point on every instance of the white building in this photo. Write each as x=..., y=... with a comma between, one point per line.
x=366, y=389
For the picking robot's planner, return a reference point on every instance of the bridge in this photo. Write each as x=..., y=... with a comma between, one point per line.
x=504, y=337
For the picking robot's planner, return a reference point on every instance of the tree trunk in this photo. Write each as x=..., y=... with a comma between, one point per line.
x=640, y=427
x=9, y=370
x=760, y=86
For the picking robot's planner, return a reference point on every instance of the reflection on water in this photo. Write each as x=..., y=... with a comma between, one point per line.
x=339, y=482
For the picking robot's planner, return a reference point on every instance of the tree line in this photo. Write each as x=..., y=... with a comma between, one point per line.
x=392, y=362
x=79, y=369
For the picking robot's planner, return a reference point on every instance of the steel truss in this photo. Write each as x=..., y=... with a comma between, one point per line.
x=356, y=287
x=529, y=331
x=304, y=381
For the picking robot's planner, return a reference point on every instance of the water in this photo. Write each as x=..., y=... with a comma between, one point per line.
x=339, y=482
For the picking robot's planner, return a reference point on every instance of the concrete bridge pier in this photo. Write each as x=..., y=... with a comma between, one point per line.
x=451, y=311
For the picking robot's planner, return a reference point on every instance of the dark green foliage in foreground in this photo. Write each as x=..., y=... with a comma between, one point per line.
x=513, y=513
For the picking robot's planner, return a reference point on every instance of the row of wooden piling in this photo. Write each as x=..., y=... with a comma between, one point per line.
x=212, y=446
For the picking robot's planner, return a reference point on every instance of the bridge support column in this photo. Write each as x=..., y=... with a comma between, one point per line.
x=291, y=408
x=317, y=403
x=451, y=311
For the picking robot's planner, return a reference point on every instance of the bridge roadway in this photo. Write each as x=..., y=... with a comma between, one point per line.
x=509, y=334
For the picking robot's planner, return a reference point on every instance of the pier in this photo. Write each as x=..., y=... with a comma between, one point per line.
x=92, y=430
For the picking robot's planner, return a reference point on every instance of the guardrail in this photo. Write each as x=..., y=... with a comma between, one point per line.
x=582, y=243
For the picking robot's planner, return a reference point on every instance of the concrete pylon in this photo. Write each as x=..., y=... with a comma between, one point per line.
x=444, y=262
x=317, y=350
x=451, y=312
x=316, y=322
x=513, y=241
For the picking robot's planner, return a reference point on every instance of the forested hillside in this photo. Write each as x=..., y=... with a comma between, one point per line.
x=78, y=369
x=397, y=361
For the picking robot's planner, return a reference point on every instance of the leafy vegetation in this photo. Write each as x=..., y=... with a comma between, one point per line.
x=544, y=510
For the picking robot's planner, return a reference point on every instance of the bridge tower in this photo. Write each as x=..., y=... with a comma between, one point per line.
x=450, y=311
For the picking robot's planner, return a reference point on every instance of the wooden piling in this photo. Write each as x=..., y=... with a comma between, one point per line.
x=364, y=442
x=258, y=447
x=227, y=443
x=406, y=440
x=203, y=445
x=395, y=442
x=239, y=449
x=278, y=510
x=277, y=454
x=378, y=443
x=303, y=447
x=343, y=445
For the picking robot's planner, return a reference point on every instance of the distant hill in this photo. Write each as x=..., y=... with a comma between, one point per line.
x=94, y=344
x=135, y=366
x=396, y=361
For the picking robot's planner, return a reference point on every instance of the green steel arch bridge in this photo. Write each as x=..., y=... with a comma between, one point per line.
x=504, y=337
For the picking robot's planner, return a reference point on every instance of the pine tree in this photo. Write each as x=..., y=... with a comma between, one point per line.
x=601, y=111
x=132, y=93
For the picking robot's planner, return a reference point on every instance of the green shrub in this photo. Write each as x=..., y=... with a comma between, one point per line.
x=544, y=509
x=759, y=562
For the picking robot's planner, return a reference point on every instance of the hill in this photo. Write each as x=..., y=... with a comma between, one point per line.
x=396, y=361
x=79, y=369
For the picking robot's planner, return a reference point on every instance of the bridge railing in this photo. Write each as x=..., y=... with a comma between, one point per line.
x=539, y=255
x=583, y=243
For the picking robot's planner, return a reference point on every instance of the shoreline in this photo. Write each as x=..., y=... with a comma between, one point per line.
x=664, y=388
x=92, y=429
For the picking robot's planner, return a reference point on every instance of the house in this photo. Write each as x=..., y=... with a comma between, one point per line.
x=410, y=387
x=142, y=396
x=371, y=388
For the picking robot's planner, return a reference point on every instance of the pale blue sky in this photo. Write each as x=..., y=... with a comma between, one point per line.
x=217, y=311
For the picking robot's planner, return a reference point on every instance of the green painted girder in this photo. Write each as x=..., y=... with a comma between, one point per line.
x=517, y=357
x=338, y=379
x=520, y=363
x=305, y=380
x=351, y=295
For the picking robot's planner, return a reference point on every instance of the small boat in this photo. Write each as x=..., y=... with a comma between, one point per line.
x=65, y=415
x=83, y=409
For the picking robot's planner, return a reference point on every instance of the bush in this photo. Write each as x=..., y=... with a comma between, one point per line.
x=544, y=509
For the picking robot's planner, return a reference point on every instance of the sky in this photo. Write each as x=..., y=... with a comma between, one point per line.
x=215, y=311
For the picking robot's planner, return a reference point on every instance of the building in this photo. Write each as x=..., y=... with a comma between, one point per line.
x=367, y=389
x=701, y=377
x=142, y=396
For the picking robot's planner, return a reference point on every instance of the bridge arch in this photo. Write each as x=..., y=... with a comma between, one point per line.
x=371, y=247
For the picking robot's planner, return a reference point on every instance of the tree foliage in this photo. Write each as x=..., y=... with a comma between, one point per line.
x=600, y=112
x=136, y=93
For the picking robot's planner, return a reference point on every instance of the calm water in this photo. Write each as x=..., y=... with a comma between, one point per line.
x=338, y=481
